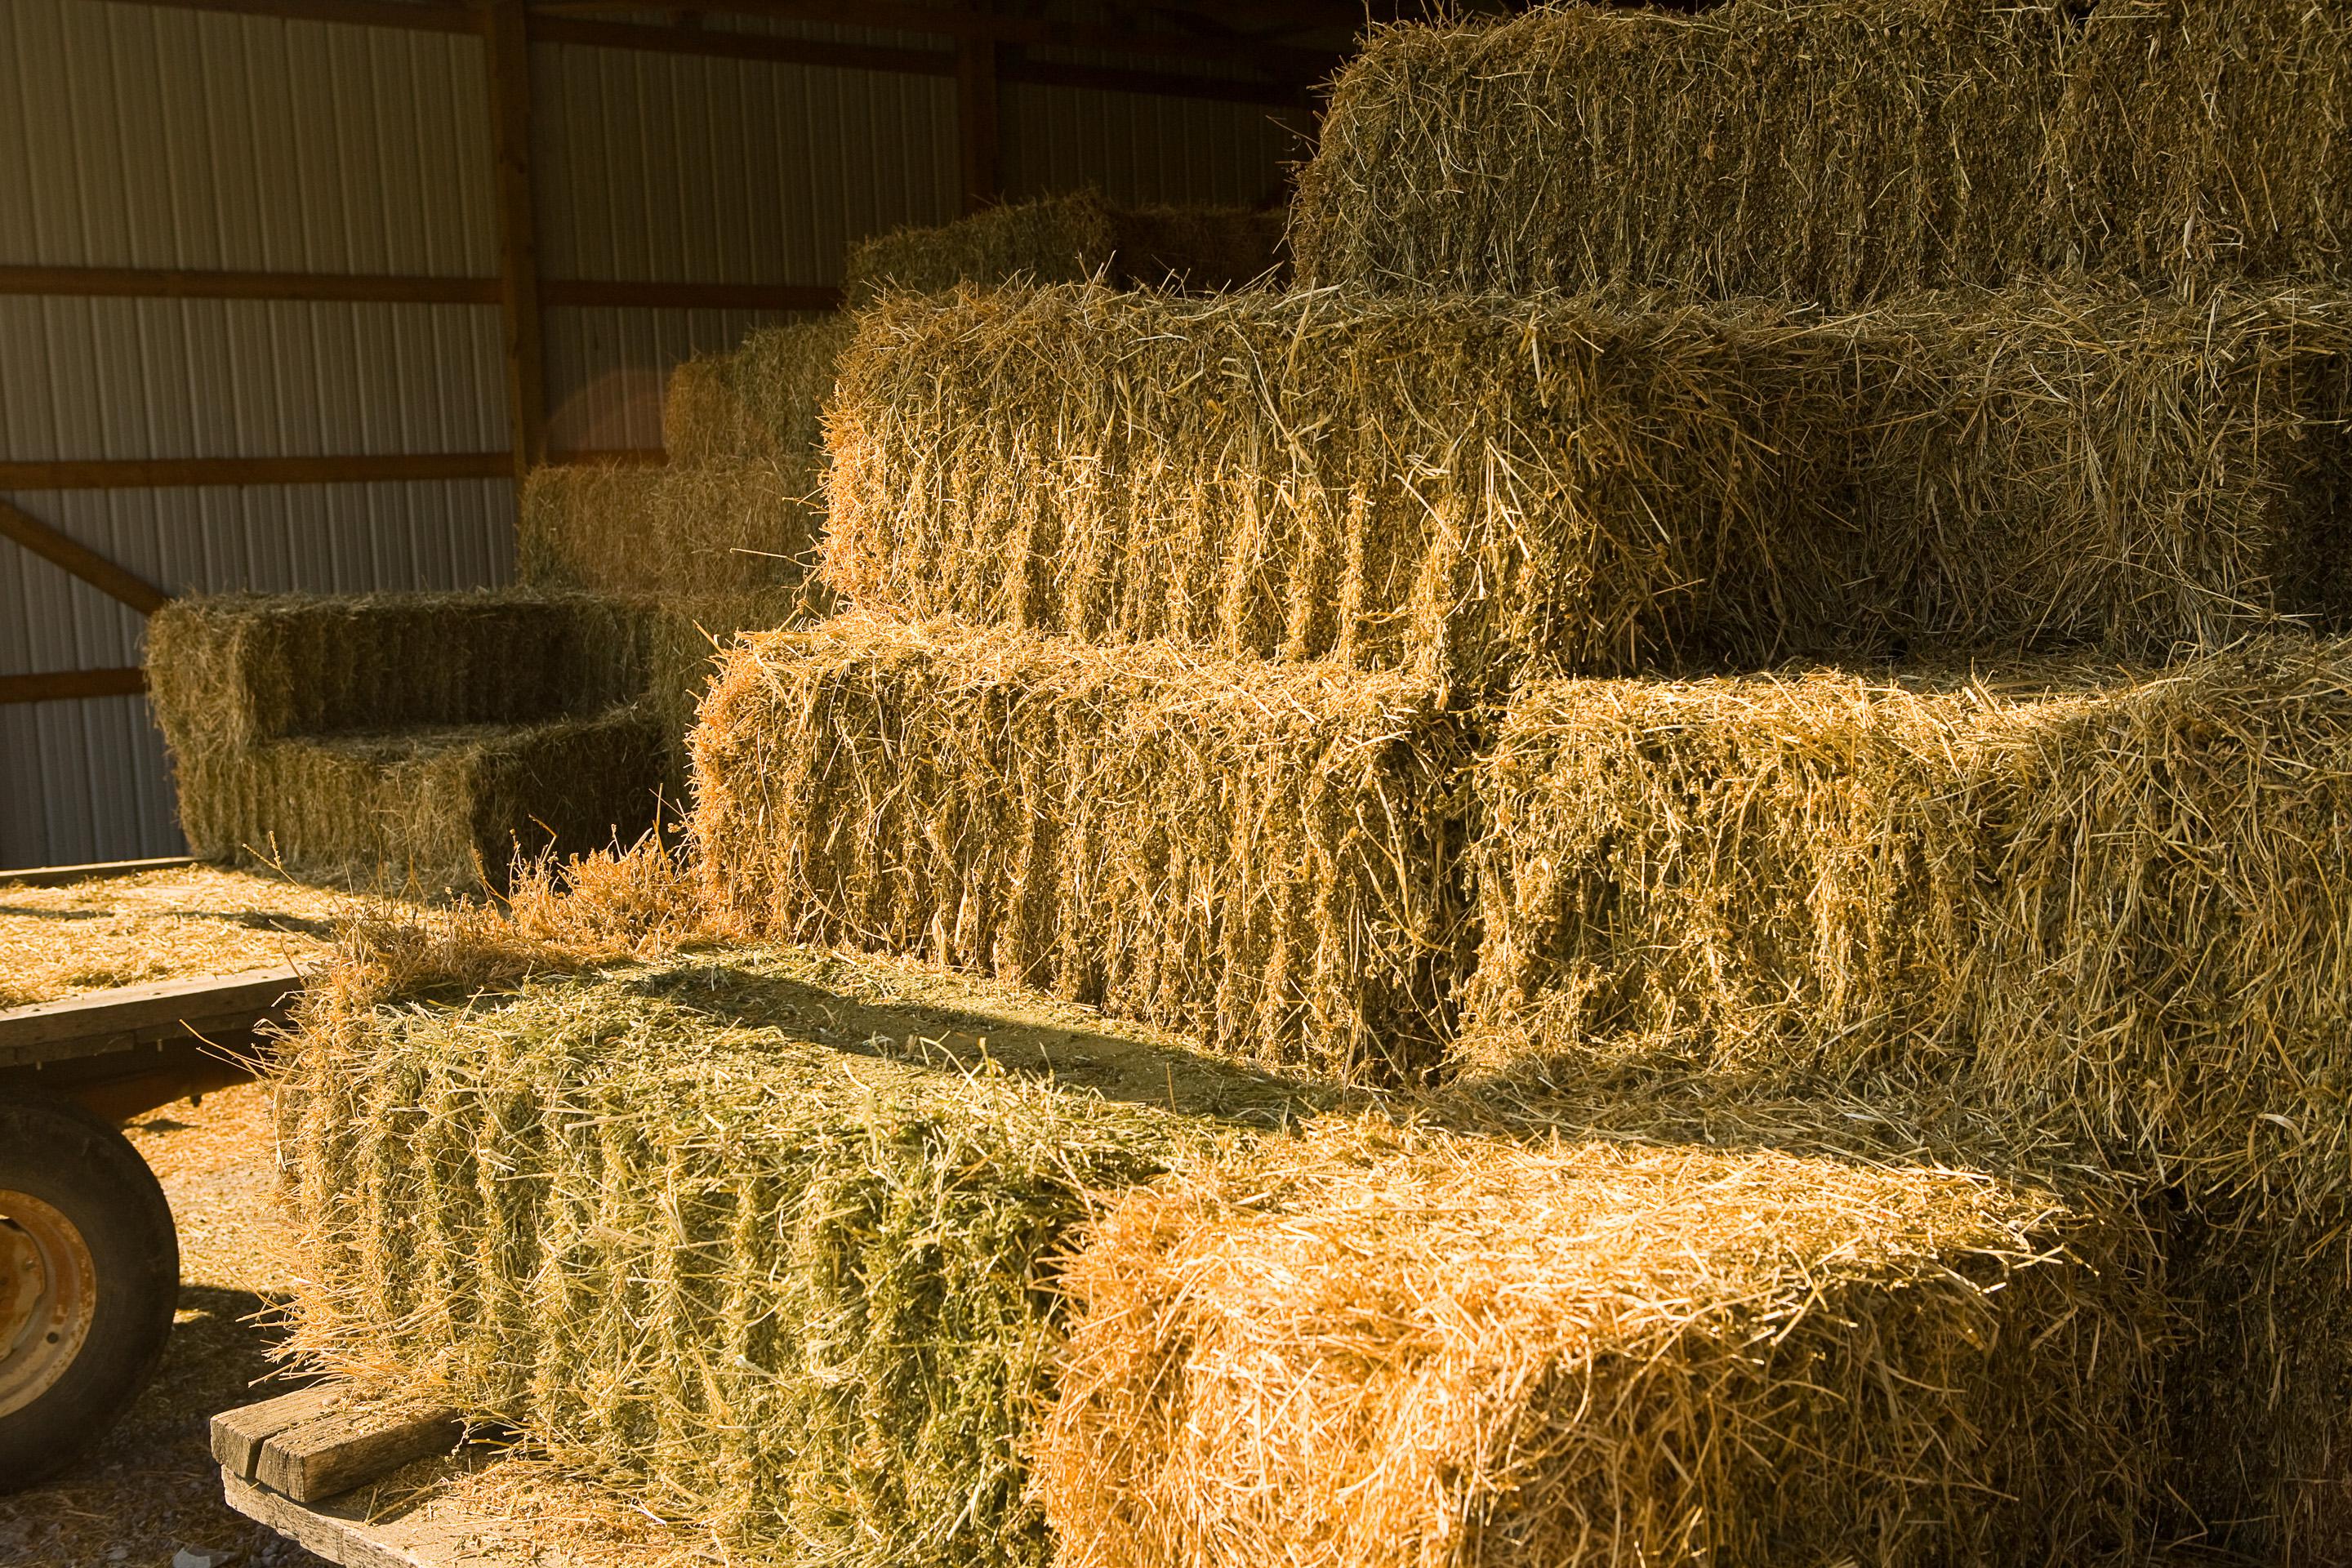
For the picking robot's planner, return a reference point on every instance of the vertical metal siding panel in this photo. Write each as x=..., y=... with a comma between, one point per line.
x=1143, y=148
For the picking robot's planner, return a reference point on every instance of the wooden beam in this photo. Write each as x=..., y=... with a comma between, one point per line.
x=72, y=555
x=181, y=283
x=634, y=296
x=426, y=15
x=506, y=39
x=977, y=145
x=93, y=870
x=175, y=473
x=128, y=1016
x=700, y=40
x=57, y=686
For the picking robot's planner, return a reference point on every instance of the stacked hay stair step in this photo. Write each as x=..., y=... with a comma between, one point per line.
x=1657, y=870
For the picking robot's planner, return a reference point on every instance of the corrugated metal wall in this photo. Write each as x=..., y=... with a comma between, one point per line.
x=133, y=135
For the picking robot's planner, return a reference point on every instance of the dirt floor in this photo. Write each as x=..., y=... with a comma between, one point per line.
x=151, y=1487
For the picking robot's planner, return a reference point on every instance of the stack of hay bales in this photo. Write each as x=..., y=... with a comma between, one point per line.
x=656, y=567
x=1890, y=1113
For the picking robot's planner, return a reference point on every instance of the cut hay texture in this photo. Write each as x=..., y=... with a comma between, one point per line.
x=2101, y=902
x=768, y=1239
x=1482, y=492
x=1842, y=152
x=1406, y=1348
x=1261, y=855
x=1072, y=239
x=425, y=737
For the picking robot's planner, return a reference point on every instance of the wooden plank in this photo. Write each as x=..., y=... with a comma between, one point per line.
x=168, y=473
x=977, y=145
x=347, y=1537
x=428, y=16
x=126, y=1015
x=64, y=685
x=238, y=1435
x=184, y=283
x=71, y=555
x=328, y=1454
x=507, y=39
x=712, y=41
x=648, y=295
x=95, y=871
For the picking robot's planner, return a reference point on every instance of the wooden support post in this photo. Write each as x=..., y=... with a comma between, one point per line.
x=77, y=558
x=506, y=39
x=976, y=121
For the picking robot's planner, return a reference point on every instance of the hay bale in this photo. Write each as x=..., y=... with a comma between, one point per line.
x=1386, y=1346
x=714, y=529
x=1464, y=489
x=1483, y=491
x=1070, y=239
x=757, y=403
x=422, y=736
x=1912, y=144
x=768, y=1238
x=438, y=807
x=1264, y=856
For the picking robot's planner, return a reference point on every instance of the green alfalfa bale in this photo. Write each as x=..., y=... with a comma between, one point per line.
x=767, y=1238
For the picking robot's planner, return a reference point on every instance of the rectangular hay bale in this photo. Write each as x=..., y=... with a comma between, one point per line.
x=1415, y=1349
x=767, y=1238
x=1487, y=491
x=1842, y=152
x=1263, y=856
x=711, y=529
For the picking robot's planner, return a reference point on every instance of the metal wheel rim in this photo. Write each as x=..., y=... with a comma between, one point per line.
x=48, y=1296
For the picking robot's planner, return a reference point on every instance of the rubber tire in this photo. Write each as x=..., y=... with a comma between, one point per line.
x=80, y=1166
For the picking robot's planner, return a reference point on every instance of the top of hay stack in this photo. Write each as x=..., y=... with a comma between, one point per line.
x=1839, y=150
x=1068, y=239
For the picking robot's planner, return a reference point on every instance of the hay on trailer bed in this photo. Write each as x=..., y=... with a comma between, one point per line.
x=766, y=1237
x=1381, y=1346
x=176, y=923
x=1068, y=239
x=1842, y=152
x=1263, y=856
x=1480, y=492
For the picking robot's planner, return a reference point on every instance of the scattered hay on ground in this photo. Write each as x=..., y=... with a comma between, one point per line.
x=1070, y=239
x=1263, y=856
x=1912, y=144
x=1400, y=1346
x=172, y=924
x=766, y=1237
x=1482, y=492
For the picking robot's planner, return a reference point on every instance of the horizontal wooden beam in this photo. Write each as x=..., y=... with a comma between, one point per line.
x=672, y=40
x=173, y=473
x=636, y=296
x=187, y=283
x=56, y=685
x=428, y=16
x=70, y=554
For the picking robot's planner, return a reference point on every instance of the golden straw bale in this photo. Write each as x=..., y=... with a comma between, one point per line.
x=716, y=529
x=1396, y=1346
x=1842, y=152
x=759, y=402
x=1264, y=856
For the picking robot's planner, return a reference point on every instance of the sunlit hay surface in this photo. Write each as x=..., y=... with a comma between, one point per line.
x=1384, y=1345
x=1484, y=490
x=1913, y=143
x=173, y=924
x=1265, y=857
x=2100, y=896
x=1070, y=239
x=765, y=1239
